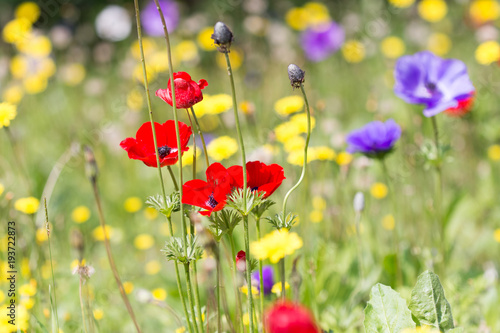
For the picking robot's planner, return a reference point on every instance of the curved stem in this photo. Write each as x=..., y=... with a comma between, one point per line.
x=304, y=166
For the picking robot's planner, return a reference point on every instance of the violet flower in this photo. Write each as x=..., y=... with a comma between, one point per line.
x=439, y=84
x=267, y=278
x=151, y=21
x=320, y=42
x=375, y=139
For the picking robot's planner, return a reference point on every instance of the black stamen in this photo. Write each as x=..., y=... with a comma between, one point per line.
x=255, y=188
x=430, y=86
x=211, y=201
x=164, y=151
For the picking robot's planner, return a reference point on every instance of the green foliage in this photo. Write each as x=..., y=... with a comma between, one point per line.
x=280, y=222
x=386, y=311
x=223, y=222
x=174, y=250
x=245, y=205
x=172, y=204
x=428, y=303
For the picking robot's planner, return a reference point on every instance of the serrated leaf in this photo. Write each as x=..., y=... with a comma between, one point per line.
x=386, y=312
x=428, y=302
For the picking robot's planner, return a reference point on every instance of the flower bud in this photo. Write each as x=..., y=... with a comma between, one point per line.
x=90, y=164
x=223, y=37
x=296, y=75
x=359, y=202
x=241, y=263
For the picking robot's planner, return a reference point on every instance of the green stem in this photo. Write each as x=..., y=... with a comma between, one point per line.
x=81, y=304
x=160, y=175
x=261, y=281
x=439, y=192
x=399, y=269
x=283, y=279
x=235, y=281
x=51, y=264
x=359, y=246
x=217, y=287
x=245, y=217
x=200, y=133
x=174, y=181
x=190, y=297
x=304, y=166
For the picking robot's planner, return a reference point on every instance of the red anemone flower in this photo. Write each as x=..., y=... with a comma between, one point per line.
x=211, y=194
x=241, y=264
x=290, y=318
x=260, y=177
x=187, y=91
x=463, y=107
x=142, y=147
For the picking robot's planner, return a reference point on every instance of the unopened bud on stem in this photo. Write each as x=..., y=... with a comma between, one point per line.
x=223, y=37
x=90, y=164
x=296, y=75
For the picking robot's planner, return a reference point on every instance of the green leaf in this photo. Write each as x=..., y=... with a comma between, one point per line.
x=428, y=303
x=386, y=312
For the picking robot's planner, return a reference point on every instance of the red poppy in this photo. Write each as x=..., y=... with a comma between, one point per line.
x=260, y=177
x=463, y=107
x=142, y=147
x=211, y=194
x=241, y=263
x=290, y=318
x=187, y=91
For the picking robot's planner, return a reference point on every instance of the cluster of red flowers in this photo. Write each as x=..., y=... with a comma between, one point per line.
x=212, y=194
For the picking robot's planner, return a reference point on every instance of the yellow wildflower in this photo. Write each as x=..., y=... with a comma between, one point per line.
x=149, y=212
x=144, y=241
x=392, y=47
x=2, y=188
x=148, y=46
x=288, y=105
x=152, y=267
x=482, y=11
x=80, y=214
x=77, y=263
x=496, y=235
x=159, y=294
x=344, y=158
x=432, y=10
x=488, y=52
x=215, y=104
x=27, y=205
x=247, y=107
x=222, y=148
x=275, y=245
x=319, y=203
x=35, y=84
x=316, y=216
x=244, y=290
x=313, y=13
x=35, y=46
x=8, y=112
x=41, y=235
x=323, y=153
x=138, y=73
x=2, y=297
x=98, y=233
x=297, y=158
x=13, y=94
x=186, y=51
x=16, y=30
x=276, y=289
x=379, y=190
x=73, y=74
x=28, y=289
x=182, y=329
x=29, y=11
x=236, y=58
x=187, y=157
x=388, y=222
x=439, y=44
x=205, y=40
x=132, y=204
x=494, y=152
x=287, y=131
x=301, y=121
x=98, y=314
x=353, y=51
x=402, y=3
x=28, y=302
x=157, y=62
x=128, y=287
x=295, y=143
x=135, y=101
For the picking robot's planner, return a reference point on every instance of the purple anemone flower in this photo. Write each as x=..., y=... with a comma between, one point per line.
x=375, y=139
x=151, y=21
x=321, y=41
x=267, y=278
x=439, y=84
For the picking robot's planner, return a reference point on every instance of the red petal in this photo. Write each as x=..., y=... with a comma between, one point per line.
x=202, y=83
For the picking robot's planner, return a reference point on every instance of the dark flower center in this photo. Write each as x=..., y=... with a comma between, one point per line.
x=255, y=188
x=164, y=151
x=431, y=86
x=211, y=201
